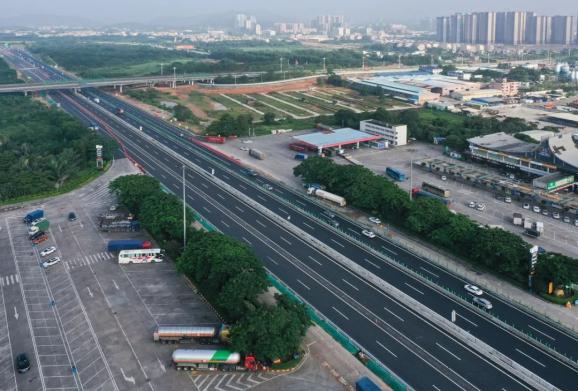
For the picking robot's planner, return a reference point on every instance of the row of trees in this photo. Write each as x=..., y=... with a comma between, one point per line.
x=495, y=249
x=227, y=272
x=229, y=124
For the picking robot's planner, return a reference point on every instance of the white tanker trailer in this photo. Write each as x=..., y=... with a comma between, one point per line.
x=211, y=360
x=203, y=335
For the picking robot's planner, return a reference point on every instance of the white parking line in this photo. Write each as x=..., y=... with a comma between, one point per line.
x=389, y=351
x=414, y=288
x=206, y=210
x=531, y=358
x=301, y=282
x=283, y=210
x=220, y=196
x=340, y=313
x=450, y=353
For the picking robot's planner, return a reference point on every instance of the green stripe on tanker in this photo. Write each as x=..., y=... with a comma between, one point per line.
x=223, y=356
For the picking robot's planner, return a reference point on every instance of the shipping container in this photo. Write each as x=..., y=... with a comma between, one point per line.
x=257, y=154
x=300, y=156
x=215, y=139
x=128, y=244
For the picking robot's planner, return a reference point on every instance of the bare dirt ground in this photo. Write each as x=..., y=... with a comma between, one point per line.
x=182, y=94
x=293, y=86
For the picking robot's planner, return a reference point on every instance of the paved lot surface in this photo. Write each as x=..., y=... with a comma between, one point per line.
x=86, y=323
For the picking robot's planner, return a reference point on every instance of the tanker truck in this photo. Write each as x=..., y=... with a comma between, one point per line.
x=211, y=360
x=202, y=335
x=327, y=196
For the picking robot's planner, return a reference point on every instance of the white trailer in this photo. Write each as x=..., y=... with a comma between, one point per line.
x=327, y=196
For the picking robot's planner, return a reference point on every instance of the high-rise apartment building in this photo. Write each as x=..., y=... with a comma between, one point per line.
x=563, y=29
x=326, y=24
x=509, y=28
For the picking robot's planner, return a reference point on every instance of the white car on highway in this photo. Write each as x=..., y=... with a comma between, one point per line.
x=50, y=262
x=368, y=233
x=47, y=251
x=474, y=290
x=375, y=220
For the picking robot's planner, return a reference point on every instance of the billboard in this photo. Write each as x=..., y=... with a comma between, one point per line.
x=553, y=185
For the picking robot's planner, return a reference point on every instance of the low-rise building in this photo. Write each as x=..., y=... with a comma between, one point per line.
x=466, y=96
x=395, y=135
x=508, y=88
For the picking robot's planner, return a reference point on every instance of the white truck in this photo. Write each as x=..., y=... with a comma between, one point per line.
x=518, y=219
x=327, y=196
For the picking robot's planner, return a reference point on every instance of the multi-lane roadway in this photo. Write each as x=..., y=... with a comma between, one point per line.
x=383, y=327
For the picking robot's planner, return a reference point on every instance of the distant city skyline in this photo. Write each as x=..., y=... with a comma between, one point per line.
x=154, y=11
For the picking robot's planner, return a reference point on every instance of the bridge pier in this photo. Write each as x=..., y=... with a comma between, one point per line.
x=120, y=88
x=25, y=93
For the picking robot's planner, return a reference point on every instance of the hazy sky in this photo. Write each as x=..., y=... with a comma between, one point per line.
x=113, y=11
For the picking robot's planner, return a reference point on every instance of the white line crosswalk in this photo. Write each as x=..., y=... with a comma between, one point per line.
x=11, y=279
x=90, y=259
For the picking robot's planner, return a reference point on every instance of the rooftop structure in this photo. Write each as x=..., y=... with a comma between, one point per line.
x=563, y=148
x=335, y=138
x=503, y=142
x=566, y=119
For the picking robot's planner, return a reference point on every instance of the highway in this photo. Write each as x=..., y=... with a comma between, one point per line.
x=469, y=319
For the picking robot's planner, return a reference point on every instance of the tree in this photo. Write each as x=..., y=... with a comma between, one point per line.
x=269, y=118
x=556, y=268
x=132, y=190
x=271, y=332
x=162, y=216
x=183, y=113
x=335, y=80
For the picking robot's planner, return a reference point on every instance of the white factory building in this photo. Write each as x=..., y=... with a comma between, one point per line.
x=395, y=135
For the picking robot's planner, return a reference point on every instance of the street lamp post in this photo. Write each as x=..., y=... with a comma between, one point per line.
x=174, y=77
x=281, y=64
x=162, y=68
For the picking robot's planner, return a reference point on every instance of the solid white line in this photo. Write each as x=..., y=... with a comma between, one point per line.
x=350, y=284
x=301, y=282
x=428, y=271
x=371, y=263
x=336, y=242
x=394, y=314
x=389, y=351
x=315, y=260
x=531, y=358
x=340, y=313
x=225, y=224
x=466, y=319
x=272, y=260
x=307, y=225
x=285, y=240
x=415, y=289
x=450, y=353
x=543, y=333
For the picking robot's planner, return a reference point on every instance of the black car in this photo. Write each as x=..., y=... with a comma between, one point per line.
x=36, y=235
x=22, y=363
x=71, y=216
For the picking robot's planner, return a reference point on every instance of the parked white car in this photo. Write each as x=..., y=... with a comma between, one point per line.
x=526, y=206
x=481, y=207
x=47, y=251
x=536, y=209
x=474, y=290
x=50, y=262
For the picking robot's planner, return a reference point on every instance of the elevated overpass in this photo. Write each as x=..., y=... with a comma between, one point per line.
x=115, y=82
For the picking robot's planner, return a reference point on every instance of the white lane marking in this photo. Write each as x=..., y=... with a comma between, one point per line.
x=315, y=260
x=466, y=319
x=220, y=196
x=387, y=249
x=89, y=292
x=261, y=198
x=353, y=230
x=414, y=288
x=225, y=176
x=307, y=225
x=225, y=224
x=239, y=209
x=242, y=187
x=371, y=263
x=340, y=313
x=450, y=353
x=283, y=210
x=163, y=368
x=543, y=333
x=206, y=210
x=285, y=240
x=128, y=379
x=531, y=358
x=261, y=224
x=164, y=176
x=301, y=282
x=247, y=240
x=389, y=351
x=394, y=314
x=204, y=185
x=272, y=260
x=429, y=271
x=437, y=388
x=337, y=243
x=350, y=284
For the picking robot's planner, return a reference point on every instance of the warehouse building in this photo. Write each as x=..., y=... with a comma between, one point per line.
x=395, y=135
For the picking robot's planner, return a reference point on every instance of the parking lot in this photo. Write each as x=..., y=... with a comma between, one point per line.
x=86, y=322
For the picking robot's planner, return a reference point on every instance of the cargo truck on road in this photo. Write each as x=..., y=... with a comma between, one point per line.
x=198, y=334
x=327, y=196
x=213, y=360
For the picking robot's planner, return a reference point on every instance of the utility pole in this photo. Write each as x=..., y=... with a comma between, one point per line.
x=174, y=77
x=184, y=211
x=281, y=64
x=324, y=69
x=162, y=68
x=410, y=177
x=362, y=61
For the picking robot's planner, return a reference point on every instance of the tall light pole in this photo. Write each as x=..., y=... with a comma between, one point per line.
x=162, y=68
x=184, y=211
x=410, y=177
x=281, y=64
x=324, y=69
x=174, y=77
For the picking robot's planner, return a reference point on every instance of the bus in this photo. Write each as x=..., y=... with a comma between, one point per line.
x=149, y=255
x=439, y=191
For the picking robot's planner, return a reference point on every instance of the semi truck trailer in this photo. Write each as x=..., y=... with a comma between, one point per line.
x=327, y=196
x=202, y=335
x=128, y=244
x=212, y=360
